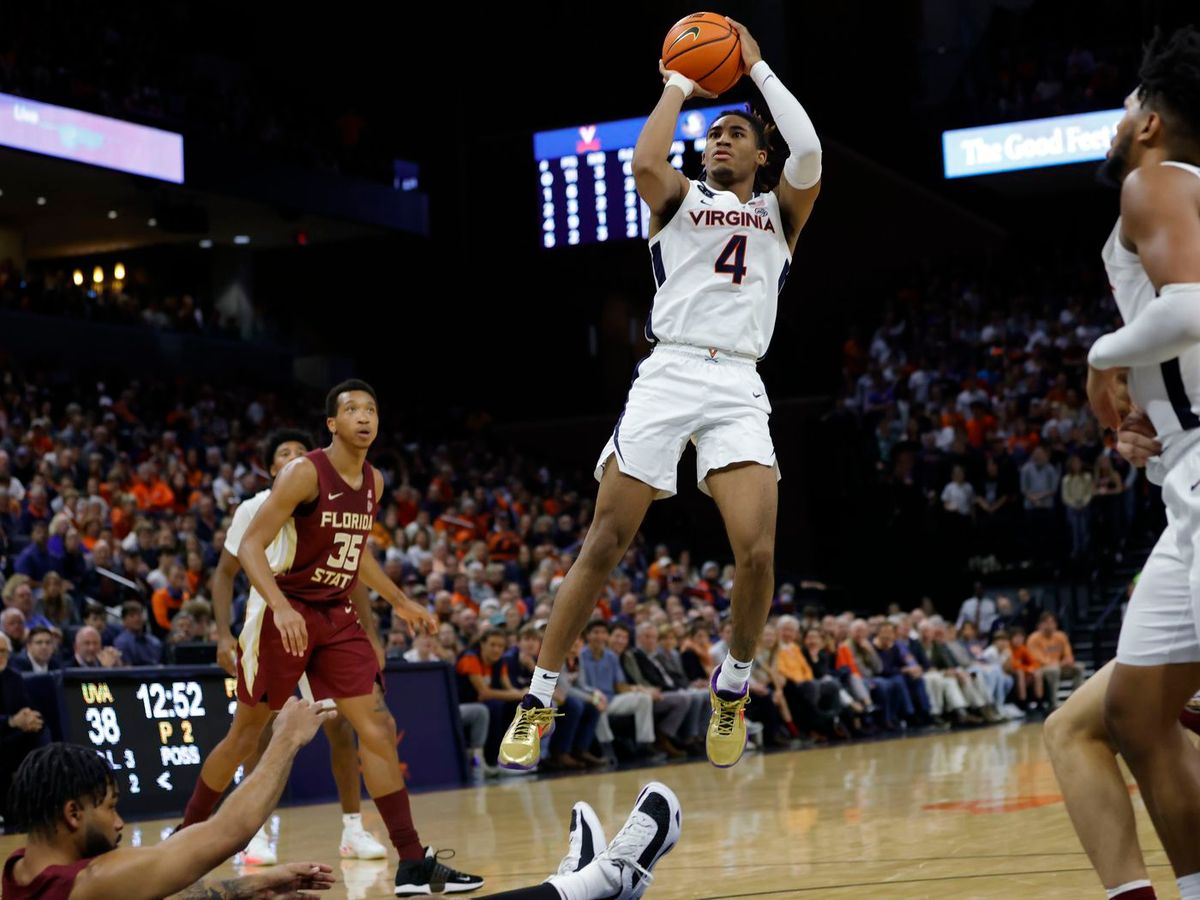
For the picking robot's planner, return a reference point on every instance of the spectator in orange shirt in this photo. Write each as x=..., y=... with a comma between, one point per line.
x=124, y=513
x=661, y=567
x=42, y=442
x=979, y=424
x=1023, y=440
x=1052, y=650
x=462, y=594
x=815, y=705
x=168, y=600
x=195, y=572
x=503, y=543
x=150, y=491
x=1025, y=669
x=407, y=504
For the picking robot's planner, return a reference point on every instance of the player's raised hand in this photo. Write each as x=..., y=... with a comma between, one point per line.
x=750, y=52
x=299, y=719
x=697, y=91
x=288, y=881
x=292, y=630
x=416, y=615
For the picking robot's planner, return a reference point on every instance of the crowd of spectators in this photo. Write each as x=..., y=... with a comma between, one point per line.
x=637, y=678
x=969, y=400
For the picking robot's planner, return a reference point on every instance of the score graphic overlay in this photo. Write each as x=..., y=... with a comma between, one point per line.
x=154, y=732
x=585, y=177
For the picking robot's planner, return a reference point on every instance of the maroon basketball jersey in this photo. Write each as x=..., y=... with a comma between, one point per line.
x=52, y=883
x=331, y=534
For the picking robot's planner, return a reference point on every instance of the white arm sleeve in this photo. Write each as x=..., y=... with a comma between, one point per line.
x=1167, y=327
x=803, y=167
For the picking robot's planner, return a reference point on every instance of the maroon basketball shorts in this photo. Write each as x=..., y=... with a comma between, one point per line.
x=339, y=660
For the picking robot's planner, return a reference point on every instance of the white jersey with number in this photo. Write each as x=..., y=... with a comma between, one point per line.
x=1168, y=392
x=719, y=265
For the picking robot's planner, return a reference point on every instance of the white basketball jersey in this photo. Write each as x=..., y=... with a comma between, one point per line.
x=280, y=554
x=281, y=550
x=1169, y=392
x=719, y=265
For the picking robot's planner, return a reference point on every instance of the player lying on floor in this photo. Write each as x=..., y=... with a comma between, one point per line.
x=65, y=796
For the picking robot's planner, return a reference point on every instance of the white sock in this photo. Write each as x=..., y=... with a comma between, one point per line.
x=1129, y=886
x=351, y=820
x=599, y=878
x=543, y=685
x=1189, y=886
x=733, y=675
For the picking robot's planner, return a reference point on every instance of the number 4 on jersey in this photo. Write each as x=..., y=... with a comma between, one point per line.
x=735, y=249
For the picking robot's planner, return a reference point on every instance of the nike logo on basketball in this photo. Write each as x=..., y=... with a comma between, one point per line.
x=692, y=32
x=335, y=496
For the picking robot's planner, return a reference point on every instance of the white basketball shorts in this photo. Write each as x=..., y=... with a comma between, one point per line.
x=682, y=393
x=1160, y=626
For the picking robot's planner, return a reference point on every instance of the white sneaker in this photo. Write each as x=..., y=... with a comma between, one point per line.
x=259, y=852
x=358, y=843
x=649, y=834
x=585, y=839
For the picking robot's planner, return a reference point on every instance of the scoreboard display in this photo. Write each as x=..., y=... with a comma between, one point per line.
x=585, y=177
x=154, y=732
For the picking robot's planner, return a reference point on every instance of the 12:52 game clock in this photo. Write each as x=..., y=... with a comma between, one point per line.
x=154, y=731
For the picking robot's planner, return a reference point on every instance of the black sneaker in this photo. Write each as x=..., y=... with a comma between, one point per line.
x=429, y=876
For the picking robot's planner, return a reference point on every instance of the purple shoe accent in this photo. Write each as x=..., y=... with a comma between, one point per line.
x=727, y=695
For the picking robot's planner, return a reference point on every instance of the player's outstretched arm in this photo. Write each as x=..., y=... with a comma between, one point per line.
x=296, y=485
x=801, y=181
x=659, y=183
x=143, y=873
x=1158, y=217
x=286, y=881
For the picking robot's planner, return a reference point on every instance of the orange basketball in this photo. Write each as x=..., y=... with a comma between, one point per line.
x=705, y=48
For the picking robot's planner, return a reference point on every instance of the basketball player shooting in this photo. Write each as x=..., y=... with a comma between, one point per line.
x=720, y=248
x=1133, y=705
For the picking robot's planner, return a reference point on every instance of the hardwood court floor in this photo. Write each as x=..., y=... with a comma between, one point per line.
x=963, y=815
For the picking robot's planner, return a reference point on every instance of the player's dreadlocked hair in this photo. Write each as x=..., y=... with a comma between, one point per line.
x=768, y=175
x=48, y=778
x=284, y=436
x=1170, y=79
